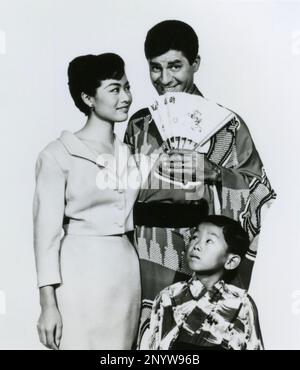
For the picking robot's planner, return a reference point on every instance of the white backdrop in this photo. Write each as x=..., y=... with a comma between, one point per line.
x=250, y=63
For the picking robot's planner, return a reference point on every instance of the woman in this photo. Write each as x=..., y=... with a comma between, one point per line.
x=89, y=280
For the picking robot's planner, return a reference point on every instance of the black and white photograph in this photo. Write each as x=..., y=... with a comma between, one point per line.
x=150, y=170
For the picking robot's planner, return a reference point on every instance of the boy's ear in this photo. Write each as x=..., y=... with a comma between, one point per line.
x=232, y=262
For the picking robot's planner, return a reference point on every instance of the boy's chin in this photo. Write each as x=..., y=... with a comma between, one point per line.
x=195, y=266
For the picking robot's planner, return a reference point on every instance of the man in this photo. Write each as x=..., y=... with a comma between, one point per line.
x=235, y=183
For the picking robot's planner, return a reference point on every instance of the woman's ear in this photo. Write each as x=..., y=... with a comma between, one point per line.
x=196, y=63
x=232, y=262
x=88, y=100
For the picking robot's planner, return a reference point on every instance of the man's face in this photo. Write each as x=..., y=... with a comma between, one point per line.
x=172, y=72
x=208, y=250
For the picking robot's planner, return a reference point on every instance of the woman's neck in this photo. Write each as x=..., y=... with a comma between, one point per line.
x=99, y=131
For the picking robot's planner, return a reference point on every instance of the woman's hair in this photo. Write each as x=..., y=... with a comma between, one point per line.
x=171, y=35
x=86, y=72
x=235, y=236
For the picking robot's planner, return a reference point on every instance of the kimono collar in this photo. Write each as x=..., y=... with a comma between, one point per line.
x=77, y=148
x=196, y=91
x=197, y=289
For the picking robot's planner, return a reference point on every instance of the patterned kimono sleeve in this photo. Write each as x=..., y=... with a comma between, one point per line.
x=245, y=186
x=155, y=324
x=246, y=334
x=129, y=136
x=254, y=338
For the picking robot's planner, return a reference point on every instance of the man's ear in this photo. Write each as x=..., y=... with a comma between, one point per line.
x=196, y=63
x=232, y=262
x=88, y=100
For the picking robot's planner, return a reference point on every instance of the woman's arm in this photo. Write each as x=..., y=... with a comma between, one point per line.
x=50, y=322
x=48, y=214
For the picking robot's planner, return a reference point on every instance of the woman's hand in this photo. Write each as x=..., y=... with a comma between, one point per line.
x=50, y=323
x=50, y=327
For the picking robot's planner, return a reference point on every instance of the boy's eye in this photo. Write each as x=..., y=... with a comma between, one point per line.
x=116, y=89
x=209, y=241
x=127, y=88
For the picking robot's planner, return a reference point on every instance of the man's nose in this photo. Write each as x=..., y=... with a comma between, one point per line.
x=165, y=77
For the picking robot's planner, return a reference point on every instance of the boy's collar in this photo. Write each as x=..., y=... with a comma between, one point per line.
x=197, y=289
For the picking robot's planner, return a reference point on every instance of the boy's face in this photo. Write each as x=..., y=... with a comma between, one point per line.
x=208, y=250
x=172, y=72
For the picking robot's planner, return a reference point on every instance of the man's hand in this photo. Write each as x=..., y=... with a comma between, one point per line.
x=187, y=165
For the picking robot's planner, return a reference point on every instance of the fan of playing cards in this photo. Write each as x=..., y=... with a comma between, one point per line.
x=187, y=121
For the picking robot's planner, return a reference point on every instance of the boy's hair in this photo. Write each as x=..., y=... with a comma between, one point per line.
x=171, y=35
x=235, y=236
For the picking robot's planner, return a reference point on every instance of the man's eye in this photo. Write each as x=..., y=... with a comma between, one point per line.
x=175, y=67
x=127, y=88
x=155, y=69
x=116, y=89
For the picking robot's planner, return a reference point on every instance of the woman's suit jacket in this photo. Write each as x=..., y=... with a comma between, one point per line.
x=80, y=192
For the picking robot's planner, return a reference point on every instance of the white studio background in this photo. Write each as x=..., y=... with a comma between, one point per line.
x=250, y=63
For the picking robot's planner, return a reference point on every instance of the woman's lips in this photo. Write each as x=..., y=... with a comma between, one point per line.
x=124, y=109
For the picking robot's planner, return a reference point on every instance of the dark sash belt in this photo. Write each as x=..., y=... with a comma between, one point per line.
x=169, y=214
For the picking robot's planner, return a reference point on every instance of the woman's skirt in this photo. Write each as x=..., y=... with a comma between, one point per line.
x=99, y=299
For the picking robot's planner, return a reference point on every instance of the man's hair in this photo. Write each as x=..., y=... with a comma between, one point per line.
x=171, y=35
x=86, y=72
x=235, y=236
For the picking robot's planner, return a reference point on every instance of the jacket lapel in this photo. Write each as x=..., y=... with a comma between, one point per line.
x=76, y=147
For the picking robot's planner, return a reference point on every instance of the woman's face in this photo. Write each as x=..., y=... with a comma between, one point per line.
x=112, y=100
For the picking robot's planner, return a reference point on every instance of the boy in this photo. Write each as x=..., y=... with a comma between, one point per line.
x=205, y=312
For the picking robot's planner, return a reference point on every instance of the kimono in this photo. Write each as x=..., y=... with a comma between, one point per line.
x=165, y=217
x=223, y=318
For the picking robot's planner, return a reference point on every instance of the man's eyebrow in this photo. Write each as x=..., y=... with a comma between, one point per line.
x=176, y=61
